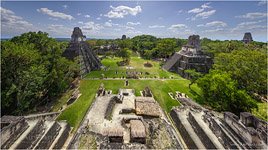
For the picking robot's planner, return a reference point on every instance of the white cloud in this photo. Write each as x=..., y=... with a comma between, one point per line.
x=55, y=14
x=91, y=26
x=129, y=28
x=196, y=10
x=263, y=2
x=201, y=9
x=110, y=24
x=205, y=14
x=180, y=11
x=245, y=26
x=10, y=22
x=178, y=26
x=121, y=11
x=58, y=30
x=133, y=23
x=206, y=5
x=80, y=22
x=98, y=18
x=65, y=6
x=213, y=24
x=87, y=16
x=254, y=15
x=213, y=30
x=156, y=26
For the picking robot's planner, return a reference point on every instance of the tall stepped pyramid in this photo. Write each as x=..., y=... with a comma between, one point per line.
x=78, y=47
x=33, y=132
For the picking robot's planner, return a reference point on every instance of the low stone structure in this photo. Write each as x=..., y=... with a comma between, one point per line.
x=252, y=130
x=137, y=131
x=189, y=57
x=247, y=38
x=115, y=135
x=38, y=131
x=147, y=106
x=147, y=92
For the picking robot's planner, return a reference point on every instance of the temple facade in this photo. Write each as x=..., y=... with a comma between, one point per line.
x=189, y=57
x=247, y=38
x=79, y=48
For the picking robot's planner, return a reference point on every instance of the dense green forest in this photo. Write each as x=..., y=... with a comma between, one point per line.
x=33, y=72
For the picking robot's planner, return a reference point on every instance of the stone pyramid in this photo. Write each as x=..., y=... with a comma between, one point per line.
x=78, y=47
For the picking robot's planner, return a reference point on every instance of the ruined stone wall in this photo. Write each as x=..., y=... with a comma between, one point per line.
x=109, y=109
x=43, y=116
x=240, y=129
x=218, y=131
x=11, y=133
x=200, y=132
x=186, y=137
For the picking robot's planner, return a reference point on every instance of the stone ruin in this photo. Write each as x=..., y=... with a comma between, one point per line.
x=147, y=92
x=124, y=121
x=124, y=37
x=190, y=56
x=78, y=47
x=38, y=131
x=204, y=129
x=247, y=38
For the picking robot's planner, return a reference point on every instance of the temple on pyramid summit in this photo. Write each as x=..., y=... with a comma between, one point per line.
x=79, y=48
x=190, y=56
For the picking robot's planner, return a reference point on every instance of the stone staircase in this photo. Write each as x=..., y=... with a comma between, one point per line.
x=37, y=134
x=171, y=61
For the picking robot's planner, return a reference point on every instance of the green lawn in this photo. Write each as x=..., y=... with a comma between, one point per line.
x=138, y=65
x=160, y=88
x=261, y=112
x=75, y=113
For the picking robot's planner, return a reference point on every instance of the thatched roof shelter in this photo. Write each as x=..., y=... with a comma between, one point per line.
x=137, y=129
x=147, y=106
x=113, y=132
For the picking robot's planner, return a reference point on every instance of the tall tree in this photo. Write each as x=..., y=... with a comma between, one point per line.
x=220, y=92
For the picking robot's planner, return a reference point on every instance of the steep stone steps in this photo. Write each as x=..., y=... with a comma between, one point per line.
x=34, y=136
x=32, y=124
x=50, y=134
x=13, y=136
x=187, y=132
x=62, y=136
x=171, y=61
x=204, y=133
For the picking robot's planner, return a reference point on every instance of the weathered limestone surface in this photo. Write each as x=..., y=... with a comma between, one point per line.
x=216, y=130
x=32, y=138
x=189, y=57
x=37, y=131
x=11, y=128
x=49, y=136
x=79, y=48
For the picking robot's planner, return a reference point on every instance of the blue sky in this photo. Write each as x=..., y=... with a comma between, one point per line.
x=105, y=19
